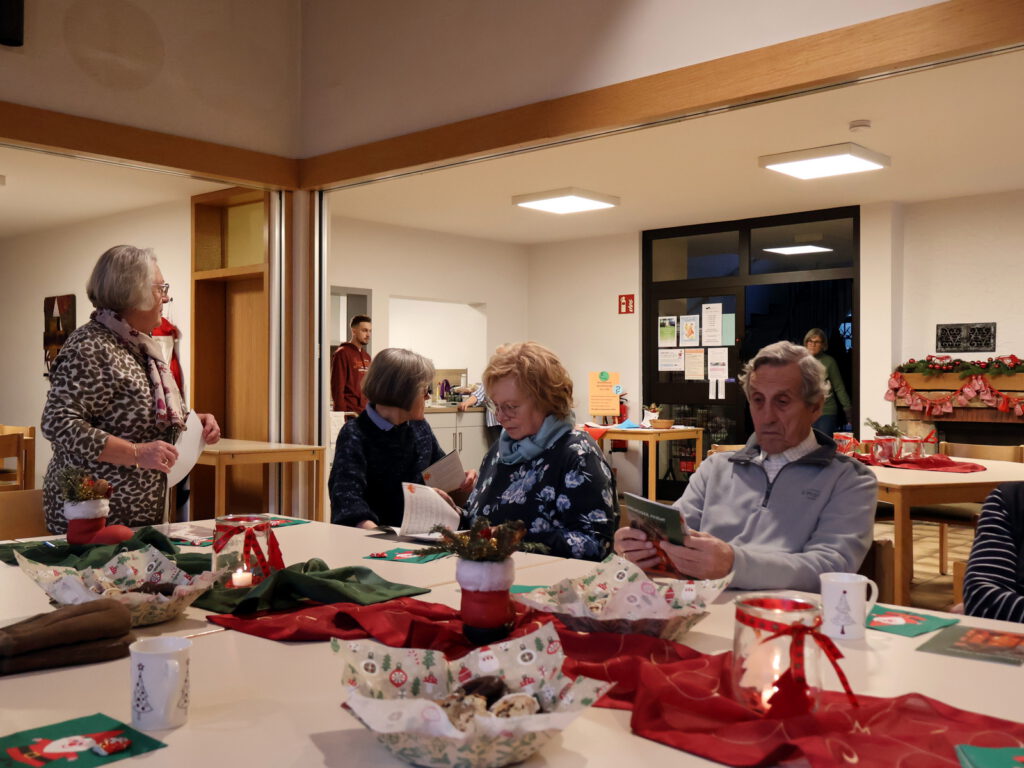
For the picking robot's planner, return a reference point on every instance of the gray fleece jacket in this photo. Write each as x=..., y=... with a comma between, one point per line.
x=817, y=516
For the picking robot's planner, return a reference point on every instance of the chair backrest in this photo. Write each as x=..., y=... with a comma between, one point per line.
x=989, y=452
x=21, y=515
x=716, y=448
x=11, y=448
x=28, y=446
x=879, y=566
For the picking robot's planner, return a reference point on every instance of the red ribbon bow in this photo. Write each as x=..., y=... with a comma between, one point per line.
x=251, y=546
x=799, y=632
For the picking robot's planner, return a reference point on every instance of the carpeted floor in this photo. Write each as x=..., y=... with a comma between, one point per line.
x=930, y=589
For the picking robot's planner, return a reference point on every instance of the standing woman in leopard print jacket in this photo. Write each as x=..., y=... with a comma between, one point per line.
x=113, y=408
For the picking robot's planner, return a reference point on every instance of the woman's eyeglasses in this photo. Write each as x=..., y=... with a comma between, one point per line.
x=165, y=288
x=503, y=409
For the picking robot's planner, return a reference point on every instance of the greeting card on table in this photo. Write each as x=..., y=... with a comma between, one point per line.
x=907, y=623
x=990, y=757
x=406, y=555
x=976, y=643
x=82, y=742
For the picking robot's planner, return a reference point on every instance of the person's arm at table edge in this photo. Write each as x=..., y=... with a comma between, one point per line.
x=990, y=586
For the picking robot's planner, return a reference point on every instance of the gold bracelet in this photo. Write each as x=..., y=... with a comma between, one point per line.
x=135, y=453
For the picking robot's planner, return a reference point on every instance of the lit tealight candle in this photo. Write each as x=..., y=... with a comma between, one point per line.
x=242, y=578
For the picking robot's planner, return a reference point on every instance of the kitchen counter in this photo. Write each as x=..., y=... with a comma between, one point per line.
x=450, y=409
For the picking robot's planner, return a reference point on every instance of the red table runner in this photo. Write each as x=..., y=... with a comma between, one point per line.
x=935, y=463
x=679, y=697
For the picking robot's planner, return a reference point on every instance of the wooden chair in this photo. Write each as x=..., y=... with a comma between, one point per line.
x=964, y=515
x=959, y=571
x=28, y=445
x=879, y=566
x=21, y=515
x=11, y=448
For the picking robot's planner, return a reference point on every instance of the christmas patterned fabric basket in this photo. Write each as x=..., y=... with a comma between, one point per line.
x=406, y=696
x=152, y=587
x=619, y=597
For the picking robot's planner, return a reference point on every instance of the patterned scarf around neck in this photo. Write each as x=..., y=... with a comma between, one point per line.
x=530, y=447
x=167, y=403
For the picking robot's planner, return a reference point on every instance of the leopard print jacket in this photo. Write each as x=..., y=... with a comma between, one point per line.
x=98, y=387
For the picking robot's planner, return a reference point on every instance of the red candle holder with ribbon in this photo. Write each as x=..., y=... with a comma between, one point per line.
x=777, y=650
x=245, y=549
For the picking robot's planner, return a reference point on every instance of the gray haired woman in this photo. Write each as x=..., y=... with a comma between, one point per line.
x=388, y=444
x=113, y=408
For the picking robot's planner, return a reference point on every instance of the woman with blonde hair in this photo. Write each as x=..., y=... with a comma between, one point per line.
x=541, y=470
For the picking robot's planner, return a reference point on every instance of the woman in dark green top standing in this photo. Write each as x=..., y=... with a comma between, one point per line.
x=835, y=391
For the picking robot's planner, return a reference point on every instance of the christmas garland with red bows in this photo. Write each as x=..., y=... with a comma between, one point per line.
x=976, y=386
x=934, y=365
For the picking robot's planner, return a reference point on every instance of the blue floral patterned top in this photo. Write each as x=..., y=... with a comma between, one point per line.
x=566, y=497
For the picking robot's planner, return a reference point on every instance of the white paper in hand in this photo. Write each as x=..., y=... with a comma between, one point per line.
x=424, y=508
x=190, y=444
x=446, y=473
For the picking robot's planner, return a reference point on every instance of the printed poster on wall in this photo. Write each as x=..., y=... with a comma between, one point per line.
x=671, y=360
x=667, y=331
x=729, y=329
x=689, y=330
x=604, y=393
x=718, y=363
x=711, y=325
x=694, y=364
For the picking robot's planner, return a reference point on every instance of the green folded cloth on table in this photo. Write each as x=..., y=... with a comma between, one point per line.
x=75, y=634
x=300, y=583
x=59, y=552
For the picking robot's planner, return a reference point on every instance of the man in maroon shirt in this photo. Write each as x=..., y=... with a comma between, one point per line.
x=348, y=366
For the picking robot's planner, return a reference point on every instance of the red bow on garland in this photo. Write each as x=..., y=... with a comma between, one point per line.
x=787, y=703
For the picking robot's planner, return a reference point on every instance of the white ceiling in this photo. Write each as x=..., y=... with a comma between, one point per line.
x=46, y=191
x=951, y=131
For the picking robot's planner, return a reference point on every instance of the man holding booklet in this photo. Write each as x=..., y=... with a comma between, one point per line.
x=781, y=511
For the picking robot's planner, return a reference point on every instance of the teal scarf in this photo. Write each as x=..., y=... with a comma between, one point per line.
x=530, y=447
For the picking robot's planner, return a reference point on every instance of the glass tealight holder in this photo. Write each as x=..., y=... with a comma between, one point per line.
x=911, y=448
x=845, y=442
x=241, y=565
x=761, y=661
x=884, y=448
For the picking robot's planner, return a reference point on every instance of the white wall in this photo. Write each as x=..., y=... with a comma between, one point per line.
x=451, y=334
x=372, y=70
x=397, y=262
x=58, y=262
x=961, y=265
x=224, y=71
x=574, y=289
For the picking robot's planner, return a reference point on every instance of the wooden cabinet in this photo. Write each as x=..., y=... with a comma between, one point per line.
x=231, y=333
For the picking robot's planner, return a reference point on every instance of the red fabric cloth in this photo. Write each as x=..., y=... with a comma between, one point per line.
x=936, y=463
x=679, y=697
x=167, y=328
x=595, y=432
x=348, y=367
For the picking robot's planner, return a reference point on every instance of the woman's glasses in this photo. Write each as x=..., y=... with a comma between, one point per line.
x=165, y=288
x=503, y=409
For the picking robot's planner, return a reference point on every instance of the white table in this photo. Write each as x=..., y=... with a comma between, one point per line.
x=906, y=488
x=262, y=702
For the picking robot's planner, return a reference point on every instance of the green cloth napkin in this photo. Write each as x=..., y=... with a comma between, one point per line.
x=902, y=622
x=520, y=589
x=989, y=757
x=59, y=552
x=301, y=582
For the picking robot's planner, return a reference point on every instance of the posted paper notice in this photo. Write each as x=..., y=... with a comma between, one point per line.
x=718, y=363
x=694, y=364
x=604, y=393
x=689, y=330
x=667, y=331
x=671, y=360
x=711, y=325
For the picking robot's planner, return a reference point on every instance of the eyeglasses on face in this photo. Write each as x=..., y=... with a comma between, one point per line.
x=165, y=288
x=503, y=409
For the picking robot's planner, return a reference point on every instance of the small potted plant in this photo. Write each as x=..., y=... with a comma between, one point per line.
x=86, y=508
x=485, y=573
x=658, y=416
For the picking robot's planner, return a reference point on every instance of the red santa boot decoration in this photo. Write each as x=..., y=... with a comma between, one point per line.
x=87, y=518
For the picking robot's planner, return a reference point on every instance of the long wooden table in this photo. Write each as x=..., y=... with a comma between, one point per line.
x=262, y=702
x=227, y=453
x=906, y=488
x=652, y=437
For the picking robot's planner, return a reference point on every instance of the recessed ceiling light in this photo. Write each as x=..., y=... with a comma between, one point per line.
x=833, y=160
x=793, y=250
x=567, y=200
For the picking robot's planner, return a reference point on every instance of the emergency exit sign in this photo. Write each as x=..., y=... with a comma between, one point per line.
x=627, y=303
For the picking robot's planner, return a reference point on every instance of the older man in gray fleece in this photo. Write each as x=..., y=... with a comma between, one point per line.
x=784, y=509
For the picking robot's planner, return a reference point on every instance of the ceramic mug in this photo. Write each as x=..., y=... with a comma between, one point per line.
x=845, y=604
x=160, y=685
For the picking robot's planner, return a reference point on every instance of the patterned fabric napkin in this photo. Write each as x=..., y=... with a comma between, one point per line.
x=907, y=623
x=406, y=555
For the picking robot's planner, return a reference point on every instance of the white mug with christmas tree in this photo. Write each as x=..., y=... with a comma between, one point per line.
x=845, y=604
x=160, y=682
